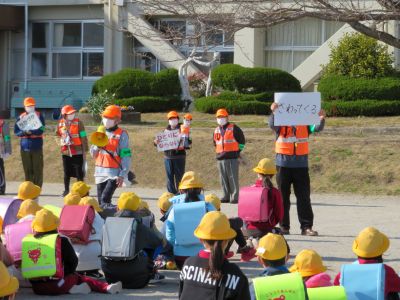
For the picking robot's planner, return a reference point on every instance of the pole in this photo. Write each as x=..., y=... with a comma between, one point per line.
x=26, y=47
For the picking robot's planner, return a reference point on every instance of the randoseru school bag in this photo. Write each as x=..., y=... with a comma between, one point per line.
x=76, y=222
x=14, y=235
x=8, y=210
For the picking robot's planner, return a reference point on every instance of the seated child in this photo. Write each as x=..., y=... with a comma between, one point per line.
x=28, y=190
x=72, y=198
x=309, y=264
x=369, y=246
x=209, y=275
x=81, y=188
x=164, y=205
x=8, y=284
x=28, y=210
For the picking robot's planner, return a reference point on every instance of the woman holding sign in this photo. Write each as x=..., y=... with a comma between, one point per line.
x=291, y=147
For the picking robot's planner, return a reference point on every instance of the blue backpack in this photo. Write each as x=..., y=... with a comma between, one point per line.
x=363, y=282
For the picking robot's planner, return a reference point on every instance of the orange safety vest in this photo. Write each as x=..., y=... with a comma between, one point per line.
x=104, y=159
x=185, y=131
x=73, y=130
x=292, y=142
x=32, y=136
x=227, y=142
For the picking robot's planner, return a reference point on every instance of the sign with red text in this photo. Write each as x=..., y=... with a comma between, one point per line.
x=29, y=122
x=168, y=140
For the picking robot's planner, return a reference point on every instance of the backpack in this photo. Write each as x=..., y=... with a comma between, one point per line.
x=363, y=281
x=187, y=218
x=8, y=210
x=76, y=222
x=327, y=293
x=14, y=234
x=119, y=238
x=260, y=204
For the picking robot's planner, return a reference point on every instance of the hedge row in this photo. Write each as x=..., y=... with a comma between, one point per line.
x=151, y=104
x=263, y=97
x=368, y=108
x=212, y=104
x=134, y=82
x=349, y=89
x=233, y=77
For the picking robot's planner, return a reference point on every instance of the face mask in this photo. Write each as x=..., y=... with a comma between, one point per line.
x=173, y=122
x=70, y=117
x=221, y=121
x=186, y=122
x=29, y=109
x=108, y=123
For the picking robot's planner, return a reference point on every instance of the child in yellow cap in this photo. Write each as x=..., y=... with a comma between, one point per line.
x=72, y=198
x=209, y=273
x=8, y=284
x=28, y=190
x=81, y=188
x=309, y=264
x=369, y=246
x=28, y=210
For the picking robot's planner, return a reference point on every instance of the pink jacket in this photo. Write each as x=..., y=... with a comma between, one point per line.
x=319, y=280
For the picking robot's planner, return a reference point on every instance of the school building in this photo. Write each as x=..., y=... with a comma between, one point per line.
x=55, y=49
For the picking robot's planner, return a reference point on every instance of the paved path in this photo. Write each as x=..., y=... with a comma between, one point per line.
x=338, y=218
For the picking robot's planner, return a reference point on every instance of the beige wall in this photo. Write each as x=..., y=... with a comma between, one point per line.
x=249, y=47
x=4, y=63
x=66, y=12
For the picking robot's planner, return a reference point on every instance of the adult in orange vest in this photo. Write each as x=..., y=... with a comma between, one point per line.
x=5, y=152
x=229, y=141
x=291, y=147
x=74, y=145
x=31, y=145
x=113, y=161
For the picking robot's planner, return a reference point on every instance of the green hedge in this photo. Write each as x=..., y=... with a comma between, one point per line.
x=151, y=103
x=212, y=104
x=134, y=82
x=253, y=80
x=263, y=97
x=349, y=89
x=368, y=108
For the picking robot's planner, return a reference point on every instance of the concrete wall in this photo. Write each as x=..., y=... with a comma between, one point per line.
x=66, y=12
x=249, y=47
x=4, y=70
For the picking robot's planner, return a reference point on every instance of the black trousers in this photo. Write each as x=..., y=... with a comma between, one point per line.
x=2, y=178
x=236, y=224
x=105, y=191
x=300, y=179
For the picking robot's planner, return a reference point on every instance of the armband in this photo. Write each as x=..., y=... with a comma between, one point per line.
x=125, y=152
x=312, y=128
x=241, y=147
x=82, y=134
x=6, y=138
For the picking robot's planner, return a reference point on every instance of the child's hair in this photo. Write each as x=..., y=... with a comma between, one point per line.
x=266, y=181
x=192, y=195
x=216, y=259
x=275, y=263
x=379, y=258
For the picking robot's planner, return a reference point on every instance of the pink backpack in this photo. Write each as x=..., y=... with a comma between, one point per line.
x=76, y=222
x=14, y=234
x=8, y=210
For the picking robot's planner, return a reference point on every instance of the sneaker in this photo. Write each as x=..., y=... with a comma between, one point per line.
x=234, y=202
x=94, y=274
x=229, y=254
x=224, y=200
x=247, y=253
x=309, y=232
x=171, y=265
x=65, y=193
x=114, y=288
x=285, y=230
x=156, y=277
x=83, y=289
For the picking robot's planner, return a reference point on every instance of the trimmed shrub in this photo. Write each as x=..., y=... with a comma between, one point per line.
x=151, y=103
x=165, y=83
x=212, y=104
x=369, y=108
x=349, y=89
x=233, y=77
x=263, y=97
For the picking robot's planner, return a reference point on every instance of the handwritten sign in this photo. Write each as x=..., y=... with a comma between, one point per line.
x=168, y=140
x=297, y=109
x=29, y=122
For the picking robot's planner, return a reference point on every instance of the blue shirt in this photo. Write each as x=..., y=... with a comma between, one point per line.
x=27, y=143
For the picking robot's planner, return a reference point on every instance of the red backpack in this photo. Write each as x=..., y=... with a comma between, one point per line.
x=76, y=222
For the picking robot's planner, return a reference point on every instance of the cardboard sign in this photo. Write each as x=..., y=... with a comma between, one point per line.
x=168, y=140
x=297, y=109
x=29, y=122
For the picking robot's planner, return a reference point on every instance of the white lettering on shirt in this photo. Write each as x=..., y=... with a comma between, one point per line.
x=189, y=276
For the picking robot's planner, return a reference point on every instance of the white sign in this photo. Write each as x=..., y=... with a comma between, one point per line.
x=29, y=122
x=297, y=109
x=168, y=140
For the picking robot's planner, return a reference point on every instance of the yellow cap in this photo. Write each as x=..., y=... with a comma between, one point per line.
x=308, y=263
x=28, y=190
x=8, y=284
x=81, y=188
x=265, y=166
x=72, y=198
x=92, y=202
x=214, y=200
x=143, y=205
x=1, y=225
x=45, y=221
x=163, y=202
x=129, y=201
x=190, y=180
x=370, y=242
x=99, y=138
x=28, y=207
x=214, y=226
x=272, y=247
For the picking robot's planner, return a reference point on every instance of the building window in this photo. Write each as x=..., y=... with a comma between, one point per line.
x=73, y=49
x=289, y=44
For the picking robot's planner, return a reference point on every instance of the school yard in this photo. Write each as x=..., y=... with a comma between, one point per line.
x=338, y=218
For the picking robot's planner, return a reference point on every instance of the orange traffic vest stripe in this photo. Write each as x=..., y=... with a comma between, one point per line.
x=227, y=142
x=104, y=159
x=292, y=143
x=32, y=136
x=185, y=131
x=73, y=129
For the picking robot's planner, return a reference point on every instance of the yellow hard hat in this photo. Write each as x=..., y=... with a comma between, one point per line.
x=72, y=198
x=45, y=221
x=214, y=226
x=28, y=207
x=99, y=138
x=370, y=242
x=190, y=180
x=8, y=284
x=214, y=200
x=265, y=166
x=163, y=202
x=92, y=202
x=308, y=263
x=222, y=112
x=81, y=188
x=28, y=190
x=129, y=201
x=272, y=247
